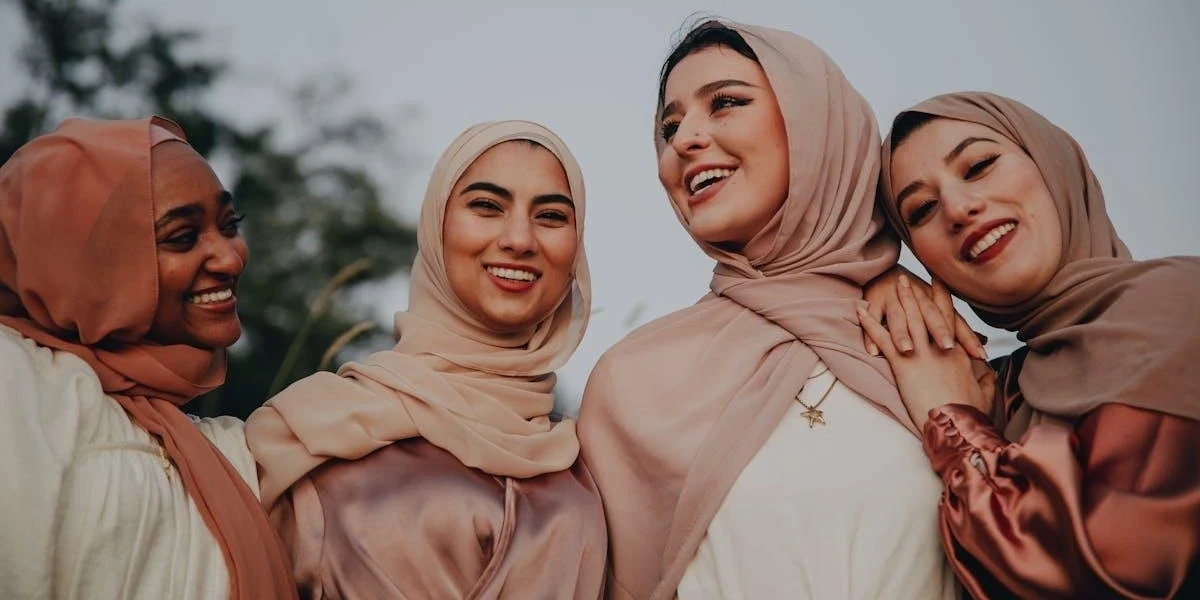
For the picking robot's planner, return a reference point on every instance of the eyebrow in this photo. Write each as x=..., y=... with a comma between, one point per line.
x=706, y=90
x=188, y=211
x=487, y=186
x=950, y=156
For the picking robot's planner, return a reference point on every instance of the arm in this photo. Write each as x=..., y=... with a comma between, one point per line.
x=1111, y=509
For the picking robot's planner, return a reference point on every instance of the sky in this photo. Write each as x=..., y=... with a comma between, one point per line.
x=1122, y=77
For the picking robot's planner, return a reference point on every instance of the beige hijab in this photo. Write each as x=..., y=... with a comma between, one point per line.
x=1106, y=328
x=674, y=412
x=77, y=253
x=482, y=396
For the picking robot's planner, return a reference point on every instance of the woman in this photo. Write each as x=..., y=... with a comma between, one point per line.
x=1100, y=497
x=747, y=446
x=119, y=260
x=432, y=470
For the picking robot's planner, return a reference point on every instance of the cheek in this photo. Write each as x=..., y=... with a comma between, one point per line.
x=935, y=252
x=559, y=246
x=175, y=274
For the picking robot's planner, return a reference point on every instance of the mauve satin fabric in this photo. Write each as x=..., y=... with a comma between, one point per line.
x=1105, y=507
x=410, y=521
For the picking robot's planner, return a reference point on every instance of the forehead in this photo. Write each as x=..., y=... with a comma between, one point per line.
x=931, y=141
x=516, y=165
x=713, y=63
x=179, y=175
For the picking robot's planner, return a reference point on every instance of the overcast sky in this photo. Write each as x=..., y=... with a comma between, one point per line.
x=1122, y=77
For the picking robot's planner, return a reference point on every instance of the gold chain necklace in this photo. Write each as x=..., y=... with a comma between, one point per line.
x=814, y=415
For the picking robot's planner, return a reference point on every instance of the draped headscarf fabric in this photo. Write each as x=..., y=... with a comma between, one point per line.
x=481, y=395
x=1106, y=328
x=78, y=264
x=674, y=412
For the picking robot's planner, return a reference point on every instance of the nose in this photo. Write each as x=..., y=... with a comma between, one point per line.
x=517, y=237
x=962, y=208
x=692, y=136
x=225, y=258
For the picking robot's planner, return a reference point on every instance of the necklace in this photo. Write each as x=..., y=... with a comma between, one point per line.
x=814, y=415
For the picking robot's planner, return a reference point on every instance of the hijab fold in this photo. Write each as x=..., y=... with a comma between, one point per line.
x=1106, y=328
x=481, y=395
x=675, y=411
x=78, y=264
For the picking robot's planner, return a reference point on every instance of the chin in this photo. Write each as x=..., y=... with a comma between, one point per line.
x=217, y=338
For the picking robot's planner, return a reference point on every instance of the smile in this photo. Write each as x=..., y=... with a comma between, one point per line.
x=981, y=242
x=706, y=178
x=216, y=297
x=513, y=274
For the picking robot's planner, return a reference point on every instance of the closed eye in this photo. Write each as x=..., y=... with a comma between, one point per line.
x=667, y=130
x=721, y=101
x=979, y=167
x=917, y=215
x=557, y=217
x=484, y=205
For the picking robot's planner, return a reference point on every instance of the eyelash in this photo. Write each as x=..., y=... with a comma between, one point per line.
x=186, y=238
x=492, y=207
x=719, y=101
x=974, y=170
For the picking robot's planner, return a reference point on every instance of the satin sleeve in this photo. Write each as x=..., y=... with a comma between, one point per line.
x=1110, y=509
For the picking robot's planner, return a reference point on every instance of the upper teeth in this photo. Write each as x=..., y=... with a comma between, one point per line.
x=212, y=297
x=517, y=274
x=704, y=176
x=990, y=239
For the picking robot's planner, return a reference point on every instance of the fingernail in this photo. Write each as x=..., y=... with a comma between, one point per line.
x=947, y=343
x=872, y=350
x=904, y=281
x=906, y=346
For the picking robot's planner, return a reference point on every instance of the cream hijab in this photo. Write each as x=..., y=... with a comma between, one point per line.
x=484, y=397
x=673, y=413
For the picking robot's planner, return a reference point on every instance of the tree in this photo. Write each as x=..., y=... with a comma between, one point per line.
x=312, y=208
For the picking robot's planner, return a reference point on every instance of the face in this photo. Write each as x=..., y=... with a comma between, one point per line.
x=200, y=251
x=978, y=211
x=725, y=166
x=510, y=236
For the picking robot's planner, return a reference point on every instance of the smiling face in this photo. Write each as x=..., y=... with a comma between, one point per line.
x=200, y=251
x=725, y=164
x=509, y=236
x=978, y=212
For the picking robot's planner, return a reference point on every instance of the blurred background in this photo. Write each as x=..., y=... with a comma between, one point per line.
x=325, y=123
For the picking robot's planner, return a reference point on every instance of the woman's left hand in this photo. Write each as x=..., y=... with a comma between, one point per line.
x=928, y=376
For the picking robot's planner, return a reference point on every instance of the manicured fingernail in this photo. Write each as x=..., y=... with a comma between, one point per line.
x=906, y=346
x=872, y=350
x=947, y=343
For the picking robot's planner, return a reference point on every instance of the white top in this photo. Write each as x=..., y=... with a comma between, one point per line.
x=842, y=510
x=92, y=509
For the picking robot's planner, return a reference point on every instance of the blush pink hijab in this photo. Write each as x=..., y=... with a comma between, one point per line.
x=674, y=412
x=1106, y=328
x=483, y=396
x=79, y=273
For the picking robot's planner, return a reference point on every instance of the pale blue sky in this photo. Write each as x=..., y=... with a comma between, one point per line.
x=1122, y=77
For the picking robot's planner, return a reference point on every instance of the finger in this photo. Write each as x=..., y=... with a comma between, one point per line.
x=962, y=330
x=912, y=313
x=877, y=332
x=897, y=324
x=935, y=321
x=875, y=309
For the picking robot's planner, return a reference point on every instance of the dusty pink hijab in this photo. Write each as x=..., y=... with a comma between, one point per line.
x=674, y=412
x=1106, y=328
x=482, y=396
x=77, y=250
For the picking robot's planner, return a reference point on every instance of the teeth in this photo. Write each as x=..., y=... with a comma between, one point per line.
x=990, y=239
x=704, y=176
x=514, y=274
x=212, y=297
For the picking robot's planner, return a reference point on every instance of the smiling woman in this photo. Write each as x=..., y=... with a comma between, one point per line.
x=433, y=470
x=116, y=324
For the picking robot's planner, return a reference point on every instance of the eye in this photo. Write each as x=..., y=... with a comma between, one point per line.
x=181, y=240
x=979, y=167
x=721, y=101
x=233, y=225
x=555, y=217
x=484, y=206
x=667, y=130
x=917, y=215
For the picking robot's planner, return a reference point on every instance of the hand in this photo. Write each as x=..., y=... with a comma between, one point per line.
x=880, y=294
x=928, y=376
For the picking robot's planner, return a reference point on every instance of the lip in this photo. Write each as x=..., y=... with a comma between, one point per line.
x=698, y=169
x=964, y=251
x=509, y=285
x=227, y=305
